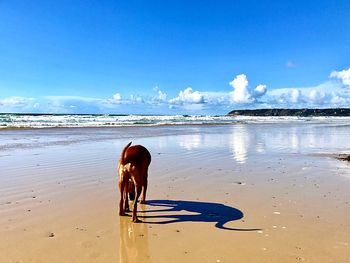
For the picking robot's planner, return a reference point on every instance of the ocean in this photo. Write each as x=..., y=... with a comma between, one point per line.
x=35, y=121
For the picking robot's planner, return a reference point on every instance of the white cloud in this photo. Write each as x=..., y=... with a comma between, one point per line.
x=72, y=98
x=242, y=93
x=216, y=98
x=135, y=99
x=295, y=96
x=343, y=76
x=19, y=104
x=160, y=96
x=76, y=104
x=327, y=94
x=188, y=96
x=16, y=101
x=259, y=91
x=337, y=100
x=117, y=97
x=317, y=97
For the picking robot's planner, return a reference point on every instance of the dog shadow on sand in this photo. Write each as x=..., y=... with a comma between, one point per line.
x=193, y=211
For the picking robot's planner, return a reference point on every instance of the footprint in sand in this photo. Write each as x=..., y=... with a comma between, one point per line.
x=95, y=254
x=88, y=244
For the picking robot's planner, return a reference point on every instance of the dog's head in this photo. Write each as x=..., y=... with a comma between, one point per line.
x=122, y=170
x=126, y=170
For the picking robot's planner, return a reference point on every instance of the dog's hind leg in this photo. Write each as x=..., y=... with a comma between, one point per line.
x=144, y=190
x=131, y=190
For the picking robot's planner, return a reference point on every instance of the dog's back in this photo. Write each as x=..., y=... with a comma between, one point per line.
x=137, y=154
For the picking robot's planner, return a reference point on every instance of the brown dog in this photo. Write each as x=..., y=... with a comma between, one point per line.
x=133, y=174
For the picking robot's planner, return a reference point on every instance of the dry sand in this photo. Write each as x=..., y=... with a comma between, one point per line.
x=241, y=193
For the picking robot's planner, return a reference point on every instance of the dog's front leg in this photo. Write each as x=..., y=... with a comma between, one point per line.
x=126, y=198
x=134, y=211
x=121, y=202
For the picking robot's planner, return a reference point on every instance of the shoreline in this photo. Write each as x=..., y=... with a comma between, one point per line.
x=119, y=126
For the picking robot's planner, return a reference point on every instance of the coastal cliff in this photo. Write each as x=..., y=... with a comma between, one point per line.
x=292, y=112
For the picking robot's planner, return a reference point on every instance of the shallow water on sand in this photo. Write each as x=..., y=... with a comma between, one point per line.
x=240, y=138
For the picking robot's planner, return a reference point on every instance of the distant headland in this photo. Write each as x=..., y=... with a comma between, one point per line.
x=293, y=112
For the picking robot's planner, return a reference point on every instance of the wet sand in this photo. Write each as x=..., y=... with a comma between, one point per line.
x=233, y=193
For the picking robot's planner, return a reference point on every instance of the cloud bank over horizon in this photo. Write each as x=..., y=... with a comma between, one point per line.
x=334, y=92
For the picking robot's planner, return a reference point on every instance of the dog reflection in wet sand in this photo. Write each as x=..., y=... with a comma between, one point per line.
x=134, y=244
x=133, y=173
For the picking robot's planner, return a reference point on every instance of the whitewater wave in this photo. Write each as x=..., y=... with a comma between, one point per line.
x=28, y=121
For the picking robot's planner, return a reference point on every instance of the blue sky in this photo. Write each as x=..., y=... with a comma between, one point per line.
x=173, y=57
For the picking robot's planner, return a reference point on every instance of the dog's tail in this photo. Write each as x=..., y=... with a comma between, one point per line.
x=122, y=157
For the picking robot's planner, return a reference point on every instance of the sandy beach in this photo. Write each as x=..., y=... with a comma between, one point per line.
x=217, y=193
